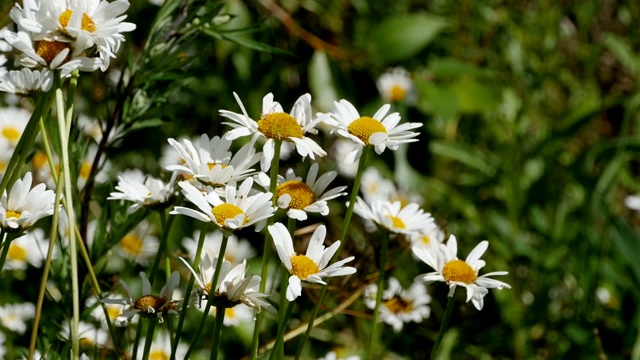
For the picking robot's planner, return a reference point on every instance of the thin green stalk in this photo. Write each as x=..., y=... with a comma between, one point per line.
x=281, y=328
x=136, y=341
x=291, y=226
x=376, y=312
x=343, y=238
x=443, y=326
x=151, y=327
x=217, y=332
x=166, y=227
x=183, y=312
x=273, y=184
x=211, y=295
x=6, y=244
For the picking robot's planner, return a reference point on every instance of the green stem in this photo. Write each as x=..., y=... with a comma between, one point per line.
x=443, y=326
x=217, y=332
x=151, y=327
x=136, y=341
x=281, y=328
x=183, y=312
x=291, y=226
x=166, y=227
x=211, y=295
x=6, y=244
x=343, y=238
x=273, y=184
x=376, y=312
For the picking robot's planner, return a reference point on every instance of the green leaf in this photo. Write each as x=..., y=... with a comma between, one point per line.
x=401, y=37
x=468, y=155
x=321, y=81
x=623, y=52
x=475, y=96
x=436, y=99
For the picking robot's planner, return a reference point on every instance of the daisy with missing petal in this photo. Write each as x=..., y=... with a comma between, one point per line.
x=236, y=211
x=211, y=162
x=380, y=131
x=149, y=305
x=311, y=267
x=455, y=272
x=14, y=317
x=300, y=198
x=395, y=85
x=394, y=217
x=233, y=286
x=277, y=125
x=143, y=191
x=398, y=305
x=23, y=206
x=237, y=249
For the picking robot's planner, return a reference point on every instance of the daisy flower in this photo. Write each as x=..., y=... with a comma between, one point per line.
x=632, y=202
x=26, y=82
x=276, y=125
x=14, y=317
x=148, y=304
x=332, y=355
x=233, y=286
x=237, y=211
x=89, y=335
x=375, y=187
x=341, y=148
x=455, y=272
x=24, y=206
x=160, y=347
x=29, y=249
x=234, y=316
x=84, y=167
x=236, y=251
x=394, y=217
x=398, y=305
x=429, y=238
x=139, y=244
x=143, y=191
x=114, y=311
x=380, y=131
x=13, y=120
x=311, y=267
x=395, y=85
x=300, y=198
x=211, y=162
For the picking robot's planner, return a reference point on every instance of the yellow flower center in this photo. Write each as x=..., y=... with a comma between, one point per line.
x=11, y=133
x=39, y=160
x=48, y=50
x=158, y=355
x=87, y=22
x=425, y=239
x=302, y=266
x=17, y=252
x=458, y=270
x=132, y=244
x=3, y=167
x=13, y=214
x=364, y=127
x=85, y=170
x=398, y=304
x=150, y=301
x=396, y=222
x=113, y=312
x=86, y=342
x=211, y=165
x=301, y=194
x=279, y=126
x=226, y=211
x=207, y=289
x=230, y=313
x=397, y=93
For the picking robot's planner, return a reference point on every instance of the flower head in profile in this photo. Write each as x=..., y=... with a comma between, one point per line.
x=398, y=305
x=311, y=267
x=277, y=125
x=211, y=162
x=233, y=286
x=24, y=206
x=394, y=217
x=395, y=85
x=455, y=272
x=380, y=131
x=238, y=209
x=148, y=304
x=143, y=191
x=300, y=198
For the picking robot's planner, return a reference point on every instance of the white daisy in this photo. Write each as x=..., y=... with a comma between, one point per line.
x=24, y=206
x=29, y=249
x=237, y=211
x=160, y=347
x=398, y=305
x=300, y=198
x=114, y=311
x=236, y=251
x=140, y=244
x=143, y=191
x=13, y=120
x=341, y=148
x=95, y=129
x=395, y=85
x=148, y=304
x=394, y=217
x=375, y=187
x=84, y=168
x=233, y=286
x=380, y=131
x=14, y=317
x=632, y=202
x=89, y=335
x=211, y=162
x=26, y=82
x=332, y=355
x=455, y=272
x=311, y=267
x=275, y=124
x=233, y=316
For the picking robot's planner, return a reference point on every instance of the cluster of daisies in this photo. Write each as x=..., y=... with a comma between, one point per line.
x=60, y=35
